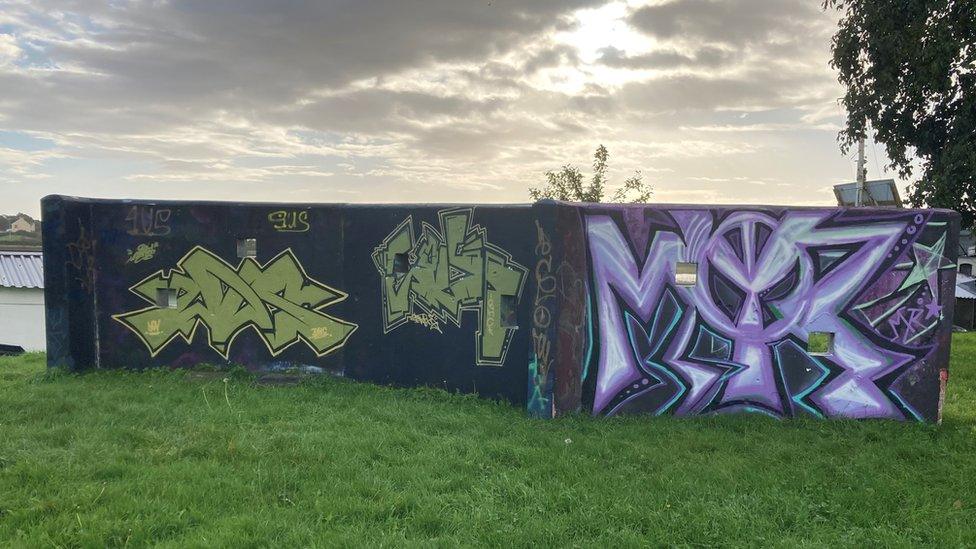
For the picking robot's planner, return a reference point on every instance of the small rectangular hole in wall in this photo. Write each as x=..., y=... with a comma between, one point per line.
x=820, y=343
x=247, y=247
x=508, y=309
x=686, y=274
x=401, y=263
x=166, y=298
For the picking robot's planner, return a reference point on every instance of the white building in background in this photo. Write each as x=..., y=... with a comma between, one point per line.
x=22, y=300
x=23, y=224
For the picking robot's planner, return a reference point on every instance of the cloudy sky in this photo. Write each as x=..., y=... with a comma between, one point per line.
x=398, y=100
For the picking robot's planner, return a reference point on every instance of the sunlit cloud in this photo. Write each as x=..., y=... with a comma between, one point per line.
x=433, y=101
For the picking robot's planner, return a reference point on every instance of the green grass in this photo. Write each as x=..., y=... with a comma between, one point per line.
x=124, y=458
x=21, y=239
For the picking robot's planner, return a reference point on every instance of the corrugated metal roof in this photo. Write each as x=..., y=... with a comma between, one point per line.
x=965, y=287
x=21, y=269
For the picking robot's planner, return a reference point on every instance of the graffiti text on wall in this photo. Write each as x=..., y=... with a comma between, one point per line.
x=143, y=252
x=445, y=272
x=737, y=340
x=545, y=293
x=289, y=221
x=81, y=256
x=148, y=221
x=278, y=300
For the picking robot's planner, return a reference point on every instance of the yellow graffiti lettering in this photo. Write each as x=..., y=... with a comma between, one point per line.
x=277, y=300
x=144, y=252
x=153, y=327
x=286, y=221
x=447, y=270
x=427, y=320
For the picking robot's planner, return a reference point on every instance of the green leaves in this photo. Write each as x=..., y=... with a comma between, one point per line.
x=567, y=184
x=909, y=69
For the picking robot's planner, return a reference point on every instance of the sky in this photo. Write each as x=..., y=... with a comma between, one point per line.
x=715, y=102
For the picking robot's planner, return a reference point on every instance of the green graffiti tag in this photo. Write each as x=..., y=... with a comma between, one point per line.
x=144, y=252
x=278, y=300
x=448, y=271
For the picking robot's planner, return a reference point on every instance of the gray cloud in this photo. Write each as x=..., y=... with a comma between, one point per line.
x=708, y=56
x=734, y=23
x=380, y=111
x=459, y=95
x=231, y=55
x=755, y=89
x=551, y=57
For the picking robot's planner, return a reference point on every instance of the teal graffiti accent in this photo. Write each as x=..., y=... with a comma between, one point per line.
x=589, y=337
x=540, y=389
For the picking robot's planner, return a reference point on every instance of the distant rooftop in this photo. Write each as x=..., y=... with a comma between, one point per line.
x=965, y=287
x=21, y=269
x=967, y=243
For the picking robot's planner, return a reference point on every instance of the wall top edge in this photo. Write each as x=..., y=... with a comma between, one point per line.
x=256, y=203
x=522, y=205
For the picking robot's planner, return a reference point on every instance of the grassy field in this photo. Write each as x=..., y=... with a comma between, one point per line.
x=130, y=459
x=21, y=239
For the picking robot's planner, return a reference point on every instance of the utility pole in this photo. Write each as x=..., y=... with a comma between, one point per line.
x=861, y=173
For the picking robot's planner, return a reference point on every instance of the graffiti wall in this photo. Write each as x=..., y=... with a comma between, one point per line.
x=278, y=300
x=449, y=269
x=661, y=310
x=871, y=290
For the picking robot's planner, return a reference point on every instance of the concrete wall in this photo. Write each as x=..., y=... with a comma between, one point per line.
x=678, y=310
x=879, y=284
x=22, y=318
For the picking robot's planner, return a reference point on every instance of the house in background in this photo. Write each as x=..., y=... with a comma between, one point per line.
x=967, y=252
x=19, y=232
x=22, y=300
x=964, y=315
x=19, y=222
x=24, y=224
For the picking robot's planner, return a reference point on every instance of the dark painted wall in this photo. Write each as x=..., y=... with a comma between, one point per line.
x=69, y=282
x=312, y=296
x=965, y=314
x=559, y=307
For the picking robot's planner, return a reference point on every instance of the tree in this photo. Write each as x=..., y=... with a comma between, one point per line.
x=567, y=184
x=909, y=67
